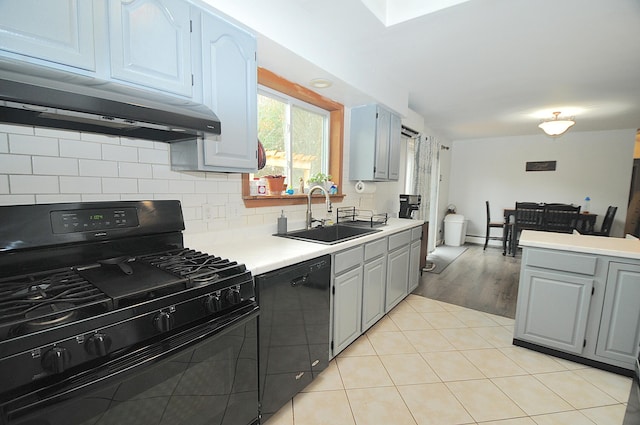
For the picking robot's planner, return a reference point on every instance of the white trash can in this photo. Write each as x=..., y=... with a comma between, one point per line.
x=455, y=229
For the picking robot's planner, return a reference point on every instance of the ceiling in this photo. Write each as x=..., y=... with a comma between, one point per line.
x=477, y=69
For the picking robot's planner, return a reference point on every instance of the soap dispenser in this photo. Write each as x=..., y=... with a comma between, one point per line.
x=282, y=224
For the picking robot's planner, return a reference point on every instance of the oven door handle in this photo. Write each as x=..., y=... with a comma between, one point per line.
x=30, y=404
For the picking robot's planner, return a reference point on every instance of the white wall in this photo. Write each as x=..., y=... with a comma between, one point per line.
x=594, y=164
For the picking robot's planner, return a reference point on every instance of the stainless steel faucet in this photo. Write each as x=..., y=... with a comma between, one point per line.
x=312, y=189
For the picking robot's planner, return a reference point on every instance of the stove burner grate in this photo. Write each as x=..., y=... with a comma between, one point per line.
x=47, y=294
x=198, y=267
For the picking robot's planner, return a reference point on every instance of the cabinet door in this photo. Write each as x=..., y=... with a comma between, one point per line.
x=381, y=170
x=347, y=309
x=151, y=44
x=620, y=326
x=56, y=31
x=397, y=277
x=373, y=288
x=414, y=266
x=230, y=90
x=553, y=308
x=395, y=130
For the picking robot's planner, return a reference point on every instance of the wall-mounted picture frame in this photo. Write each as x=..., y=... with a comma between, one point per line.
x=541, y=166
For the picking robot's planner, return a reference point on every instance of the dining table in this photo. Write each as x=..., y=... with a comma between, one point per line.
x=585, y=225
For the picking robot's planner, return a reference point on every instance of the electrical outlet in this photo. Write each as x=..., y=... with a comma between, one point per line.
x=207, y=213
x=232, y=211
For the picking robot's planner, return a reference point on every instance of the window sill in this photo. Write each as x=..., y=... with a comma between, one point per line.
x=278, y=200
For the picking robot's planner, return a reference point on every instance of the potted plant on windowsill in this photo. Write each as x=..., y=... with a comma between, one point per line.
x=275, y=183
x=321, y=179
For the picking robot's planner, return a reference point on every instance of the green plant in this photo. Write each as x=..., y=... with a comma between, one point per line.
x=319, y=178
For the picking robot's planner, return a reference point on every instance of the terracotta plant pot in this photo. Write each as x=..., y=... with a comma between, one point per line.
x=275, y=184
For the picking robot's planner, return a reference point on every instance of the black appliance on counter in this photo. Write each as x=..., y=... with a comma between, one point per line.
x=106, y=318
x=294, y=330
x=409, y=204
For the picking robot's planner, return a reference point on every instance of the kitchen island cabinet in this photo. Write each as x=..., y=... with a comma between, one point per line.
x=578, y=296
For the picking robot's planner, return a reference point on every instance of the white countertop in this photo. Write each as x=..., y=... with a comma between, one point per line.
x=602, y=245
x=262, y=252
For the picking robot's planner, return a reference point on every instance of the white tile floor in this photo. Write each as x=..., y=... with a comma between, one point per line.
x=433, y=363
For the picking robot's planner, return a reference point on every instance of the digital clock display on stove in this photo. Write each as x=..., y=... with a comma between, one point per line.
x=93, y=220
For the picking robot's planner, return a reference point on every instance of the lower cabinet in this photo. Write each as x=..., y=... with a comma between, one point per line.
x=414, y=258
x=556, y=309
x=397, y=269
x=581, y=304
x=620, y=326
x=374, y=281
x=347, y=297
x=368, y=281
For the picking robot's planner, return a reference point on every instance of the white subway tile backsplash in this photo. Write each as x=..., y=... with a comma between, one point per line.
x=4, y=143
x=47, y=166
x=119, y=153
x=54, y=199
x=131, y=169
x=15, y=164
x=16, y=129
x=207, y=187
x=137, y=143
x=80, y=149
x=182, y=186
x=153, y=186
x=56, y=133
x=4, y=185
x=153, y=156
x=55, y=166
x=28, y=184
x=33, y=145
x=80, y=184
x=94, y=197
x=120, y=185
x=164, y=172
x=17, y=199
x=100, y=138
x=96, y=168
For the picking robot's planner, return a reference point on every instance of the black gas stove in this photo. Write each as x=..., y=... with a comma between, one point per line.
x=83, y=285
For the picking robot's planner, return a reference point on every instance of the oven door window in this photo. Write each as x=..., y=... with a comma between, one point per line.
x=213, y=382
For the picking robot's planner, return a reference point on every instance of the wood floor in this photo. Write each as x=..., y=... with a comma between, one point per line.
x=477, y=279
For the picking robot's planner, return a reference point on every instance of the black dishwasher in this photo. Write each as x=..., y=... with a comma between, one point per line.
x=293, y=330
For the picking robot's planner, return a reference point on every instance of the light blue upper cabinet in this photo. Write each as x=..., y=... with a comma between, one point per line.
x=50, y=33
x=374, y=144
x=150, y=44
x=230, y=89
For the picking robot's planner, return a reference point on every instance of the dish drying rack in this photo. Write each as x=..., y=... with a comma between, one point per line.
x=365, y=218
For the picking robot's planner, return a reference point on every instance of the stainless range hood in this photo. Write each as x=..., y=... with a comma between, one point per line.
x=97, y=108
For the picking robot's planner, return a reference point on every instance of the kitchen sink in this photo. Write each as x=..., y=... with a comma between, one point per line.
x=330, y=234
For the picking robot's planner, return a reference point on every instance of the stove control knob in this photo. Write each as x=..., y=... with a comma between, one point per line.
x=233, y=296
x=213, y=303
x=98, y=344
x=163, y=321
x=56, y=360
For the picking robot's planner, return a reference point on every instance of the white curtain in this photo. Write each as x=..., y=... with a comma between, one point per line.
x=426, y=173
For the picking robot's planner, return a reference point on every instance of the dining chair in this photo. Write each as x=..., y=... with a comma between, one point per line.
x=561, y=218
x=607, y=222
x=528, y=216
x=504, y=236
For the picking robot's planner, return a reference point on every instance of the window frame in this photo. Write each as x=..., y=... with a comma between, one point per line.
x=336, y=137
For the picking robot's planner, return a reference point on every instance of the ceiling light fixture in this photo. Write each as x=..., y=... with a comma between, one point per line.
x=321, y=83
x=556, y=126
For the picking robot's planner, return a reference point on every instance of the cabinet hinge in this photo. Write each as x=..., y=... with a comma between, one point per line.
x=333, y=290
x=192, y=80
x=331, y=345
x=593, y=289
x=584, y=343
x=190, y=26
